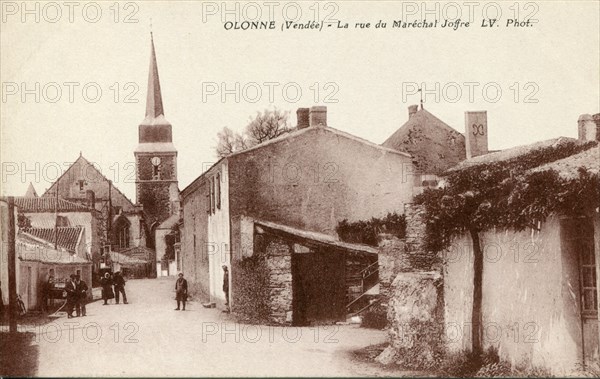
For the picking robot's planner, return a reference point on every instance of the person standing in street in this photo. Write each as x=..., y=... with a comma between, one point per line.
x=45, y=293
x=72, y=296
x=82, y=294
x=181, y=288
x=226, y=284
x=107, y=291
x=119, y=283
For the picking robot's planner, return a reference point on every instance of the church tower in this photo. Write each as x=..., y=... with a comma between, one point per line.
x=156, y=157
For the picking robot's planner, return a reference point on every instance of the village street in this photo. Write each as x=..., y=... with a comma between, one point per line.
x=149, y=338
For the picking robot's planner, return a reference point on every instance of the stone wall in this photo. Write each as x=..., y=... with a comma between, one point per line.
x=415, y=313
x=279, y=264
x=407, y=254
x=412, y=292
x=262, y=283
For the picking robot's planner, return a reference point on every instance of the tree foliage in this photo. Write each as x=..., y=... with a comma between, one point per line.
x=264, y=126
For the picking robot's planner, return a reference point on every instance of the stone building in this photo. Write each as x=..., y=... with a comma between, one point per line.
x=118, y=223
x=308, y=180
x=435, y=146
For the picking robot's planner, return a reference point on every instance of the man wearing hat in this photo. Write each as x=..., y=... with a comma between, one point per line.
x=181, y=289
x=82, y=289
x=72, y=295
x=119, y=283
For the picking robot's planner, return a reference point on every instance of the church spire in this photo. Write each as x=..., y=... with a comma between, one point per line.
x=154, y=105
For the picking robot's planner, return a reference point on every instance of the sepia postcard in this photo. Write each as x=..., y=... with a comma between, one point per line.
x=309, y=188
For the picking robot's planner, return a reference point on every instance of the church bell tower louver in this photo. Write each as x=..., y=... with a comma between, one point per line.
x=155, y=156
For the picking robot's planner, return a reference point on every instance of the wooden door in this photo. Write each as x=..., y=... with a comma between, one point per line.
x=588, y=271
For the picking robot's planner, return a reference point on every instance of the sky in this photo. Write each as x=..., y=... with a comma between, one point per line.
x=548, y=73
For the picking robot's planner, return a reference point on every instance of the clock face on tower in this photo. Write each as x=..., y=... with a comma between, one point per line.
x=155, y=161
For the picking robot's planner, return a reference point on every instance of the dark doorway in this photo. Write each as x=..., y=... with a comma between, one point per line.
x=579, y=244
x=319, y=287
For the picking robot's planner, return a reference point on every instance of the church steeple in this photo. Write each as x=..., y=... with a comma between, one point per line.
x=154, y=105
x=155, y=114
x=155, y=155
x=155, y=128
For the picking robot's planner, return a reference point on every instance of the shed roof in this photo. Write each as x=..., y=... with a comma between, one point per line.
x=316, y=237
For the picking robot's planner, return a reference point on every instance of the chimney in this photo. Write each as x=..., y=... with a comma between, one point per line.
x=302, y=115
x=318, y=116
x=412, y=109
x=587, y=128
x=476, y=133
x=90, y=198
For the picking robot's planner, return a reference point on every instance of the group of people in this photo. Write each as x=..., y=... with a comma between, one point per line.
x=76, y=295
x=118, y=282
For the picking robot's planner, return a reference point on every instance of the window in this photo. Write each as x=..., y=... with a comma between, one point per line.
x=212, y=195
x=123, y=237
x=218, y=190
x=81, y=184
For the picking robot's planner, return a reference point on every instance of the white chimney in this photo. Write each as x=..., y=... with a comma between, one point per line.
x=476, y=133
x=587, y=130
x=318, y=116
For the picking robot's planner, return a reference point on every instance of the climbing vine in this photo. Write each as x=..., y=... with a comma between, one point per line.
x=505, y=195
x=366, y=231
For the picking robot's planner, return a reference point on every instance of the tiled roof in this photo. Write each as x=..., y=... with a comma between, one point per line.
x=514, y=152
x=568, y=167
x=33, y=249
x=47, y=204
x=67, y=236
